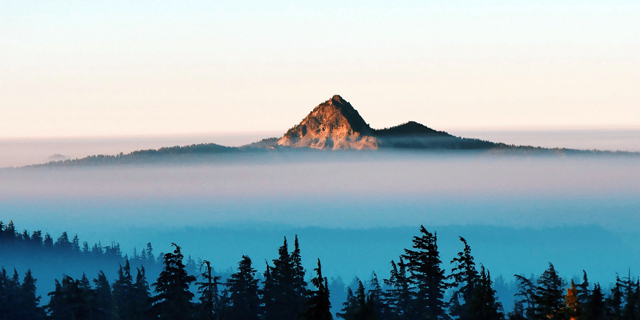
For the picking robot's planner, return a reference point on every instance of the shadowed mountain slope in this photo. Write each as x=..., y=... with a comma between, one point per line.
x=335, y=125
x=332, y=125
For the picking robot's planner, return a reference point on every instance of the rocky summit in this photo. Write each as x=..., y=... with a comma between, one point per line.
x=335, y=125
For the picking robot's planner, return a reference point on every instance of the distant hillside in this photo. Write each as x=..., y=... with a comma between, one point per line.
x=335, y=125
x=332, y=125
x=157, y=155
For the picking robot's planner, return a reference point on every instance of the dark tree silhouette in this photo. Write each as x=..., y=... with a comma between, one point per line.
x=423, y=262
x=242, y=287
x=173, y=298
x=483, y=304
x=399, y=296
x=102, y=298
x=285, y=288
x=209, y=297
x=549, y=296
x=141, y=297
x=465, y=277
x=318, y=305
x=358, y=306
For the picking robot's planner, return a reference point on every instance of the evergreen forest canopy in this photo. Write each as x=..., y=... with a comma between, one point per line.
x=418, y=287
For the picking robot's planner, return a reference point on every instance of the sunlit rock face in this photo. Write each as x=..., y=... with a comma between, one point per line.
x=336, y=125
x=333, y=125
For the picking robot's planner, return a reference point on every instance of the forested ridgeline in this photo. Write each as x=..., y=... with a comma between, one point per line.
x=49, y=257
x=417, y=287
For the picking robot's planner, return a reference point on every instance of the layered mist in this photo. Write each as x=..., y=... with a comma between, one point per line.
x=356, y=211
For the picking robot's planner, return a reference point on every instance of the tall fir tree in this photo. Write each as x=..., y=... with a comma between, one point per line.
x=615, y=301
x=572, y=307
x=464, y=276
x=285, y=288
x=102, y=298
x=69, y=301
x=483, y=304
x=424, y=264
x=243, y=300
x=29, y=303
x=549, y=296
x=399, y=296
x=595, y=307
x=525, y=305
x=141, y=296
x=123, y=293
x=173, y=298
x=358, y=306
x=583, y=289
x=209, y=297
x=318, y=305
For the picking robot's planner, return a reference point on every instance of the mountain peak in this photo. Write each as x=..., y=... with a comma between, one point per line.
x=337, y=99
x=334, y=124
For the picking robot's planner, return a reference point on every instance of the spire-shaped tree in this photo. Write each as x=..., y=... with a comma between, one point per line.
x=483, y=304
x=318, y=305
x=595, y=308
x=141, y=297
x=615, y=301
x=423, y=262
x=399, y=296
x=571, y=303
x=242, y=288
x=285, y=292
x=173, y=298
x=358, y=306
x=208, y=290
x=123, y=293
x=28, y=303
x=549, y=296
x=102, y=298
x=464, y=276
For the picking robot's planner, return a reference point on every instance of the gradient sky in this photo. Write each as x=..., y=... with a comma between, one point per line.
x=120, y=68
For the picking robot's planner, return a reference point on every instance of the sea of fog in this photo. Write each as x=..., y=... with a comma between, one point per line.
x=356, y=211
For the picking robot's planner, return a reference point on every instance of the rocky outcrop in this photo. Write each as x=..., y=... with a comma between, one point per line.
x=335, y=125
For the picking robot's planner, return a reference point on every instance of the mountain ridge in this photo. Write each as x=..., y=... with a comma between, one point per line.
x=336, y=125
x=332, y=125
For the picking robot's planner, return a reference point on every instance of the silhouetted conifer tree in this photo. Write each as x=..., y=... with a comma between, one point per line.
x=123, y=293
x=242, y=288
x=28, y=302
x=69, y=301
x=102, y=298
x=615, y=301
x=318, y=305
x=399, y=297
x=377, y=299
x=349, y=307
x=285, y=291
x=549, y=296
x=525, y=306
x=583, y=289
x=595, y=308
x=572, y=308
x=141, y=296
x=483, y=304
x=423, y=262
x=208, y=289
x=464, y=276
x=358, y=306
x=173, y=298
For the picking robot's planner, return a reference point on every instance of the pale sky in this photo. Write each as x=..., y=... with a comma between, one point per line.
x=122, y=68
